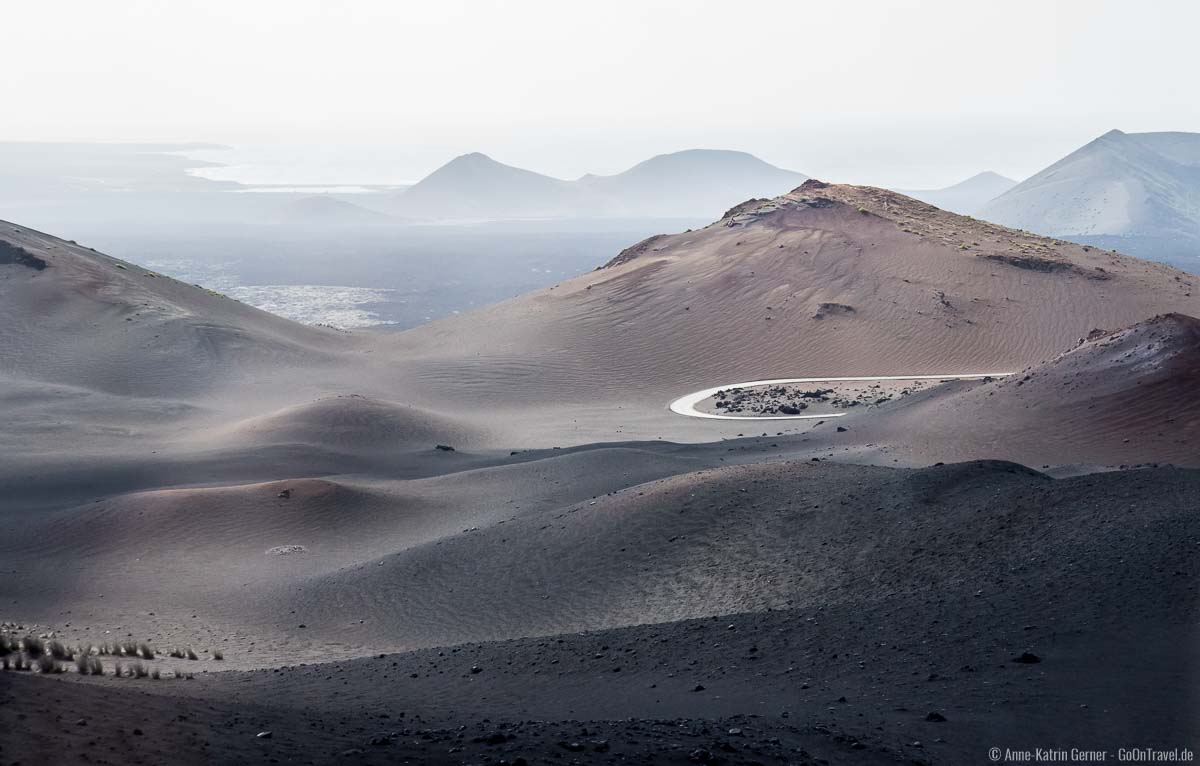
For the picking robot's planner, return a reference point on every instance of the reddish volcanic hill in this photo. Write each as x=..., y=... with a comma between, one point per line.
x=825, y=280
x=1128, y=396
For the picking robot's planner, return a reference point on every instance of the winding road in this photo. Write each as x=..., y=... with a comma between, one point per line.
x=686, y=405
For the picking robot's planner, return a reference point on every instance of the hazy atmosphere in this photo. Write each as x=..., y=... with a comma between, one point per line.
x=905, y=94
x=546, y=384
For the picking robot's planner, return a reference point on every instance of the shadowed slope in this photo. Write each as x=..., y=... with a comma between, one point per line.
x=72, y=316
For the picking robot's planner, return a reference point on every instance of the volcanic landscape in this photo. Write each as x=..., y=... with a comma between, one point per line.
x=233, y=538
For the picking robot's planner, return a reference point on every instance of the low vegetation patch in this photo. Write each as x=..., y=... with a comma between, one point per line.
x=50, y=655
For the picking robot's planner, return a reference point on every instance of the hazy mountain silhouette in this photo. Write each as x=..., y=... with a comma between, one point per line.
x=966, y=197
x=695, y=183
x=1136, y=191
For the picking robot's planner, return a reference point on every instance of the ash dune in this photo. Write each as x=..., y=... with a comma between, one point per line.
x=353, y=422
x=76, y=317
x=828, y=584
x=1126, y=396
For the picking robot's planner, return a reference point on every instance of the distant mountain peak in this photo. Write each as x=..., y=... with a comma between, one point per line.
x=471, y=161
x=1136, y=186
x=987, y=175
x=476, y=158
x=966, y=197
x=707, y=160
x=693, y=183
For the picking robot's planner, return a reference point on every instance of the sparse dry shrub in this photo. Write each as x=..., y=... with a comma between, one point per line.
x=59, y=651
x=191, y=654
x=47, y=664
x=34, y=646
x=88, y=665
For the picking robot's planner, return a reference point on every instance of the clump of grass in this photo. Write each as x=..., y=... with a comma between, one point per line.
x=128, y=648
x=118, y=671
x=144, y=651
x=177, y=653
x=156, y=674
x=34, y=646
x=88, y=665
x=191, y=654
x=59, y=651
x=218, y=655
x=7, y=647
x=138, y=670
x=47, y=664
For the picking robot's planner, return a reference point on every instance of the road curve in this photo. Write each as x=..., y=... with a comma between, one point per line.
x=686, y=405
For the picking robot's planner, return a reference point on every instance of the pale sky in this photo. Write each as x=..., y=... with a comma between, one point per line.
x=905, y=94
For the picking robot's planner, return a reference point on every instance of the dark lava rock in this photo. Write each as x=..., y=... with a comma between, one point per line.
x=700, y=755
x=935, y=717
x=444, y=448
x=833, y=309
x=19, y=256
x=698, y=688
x=1027, y=658
x=285, y=494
